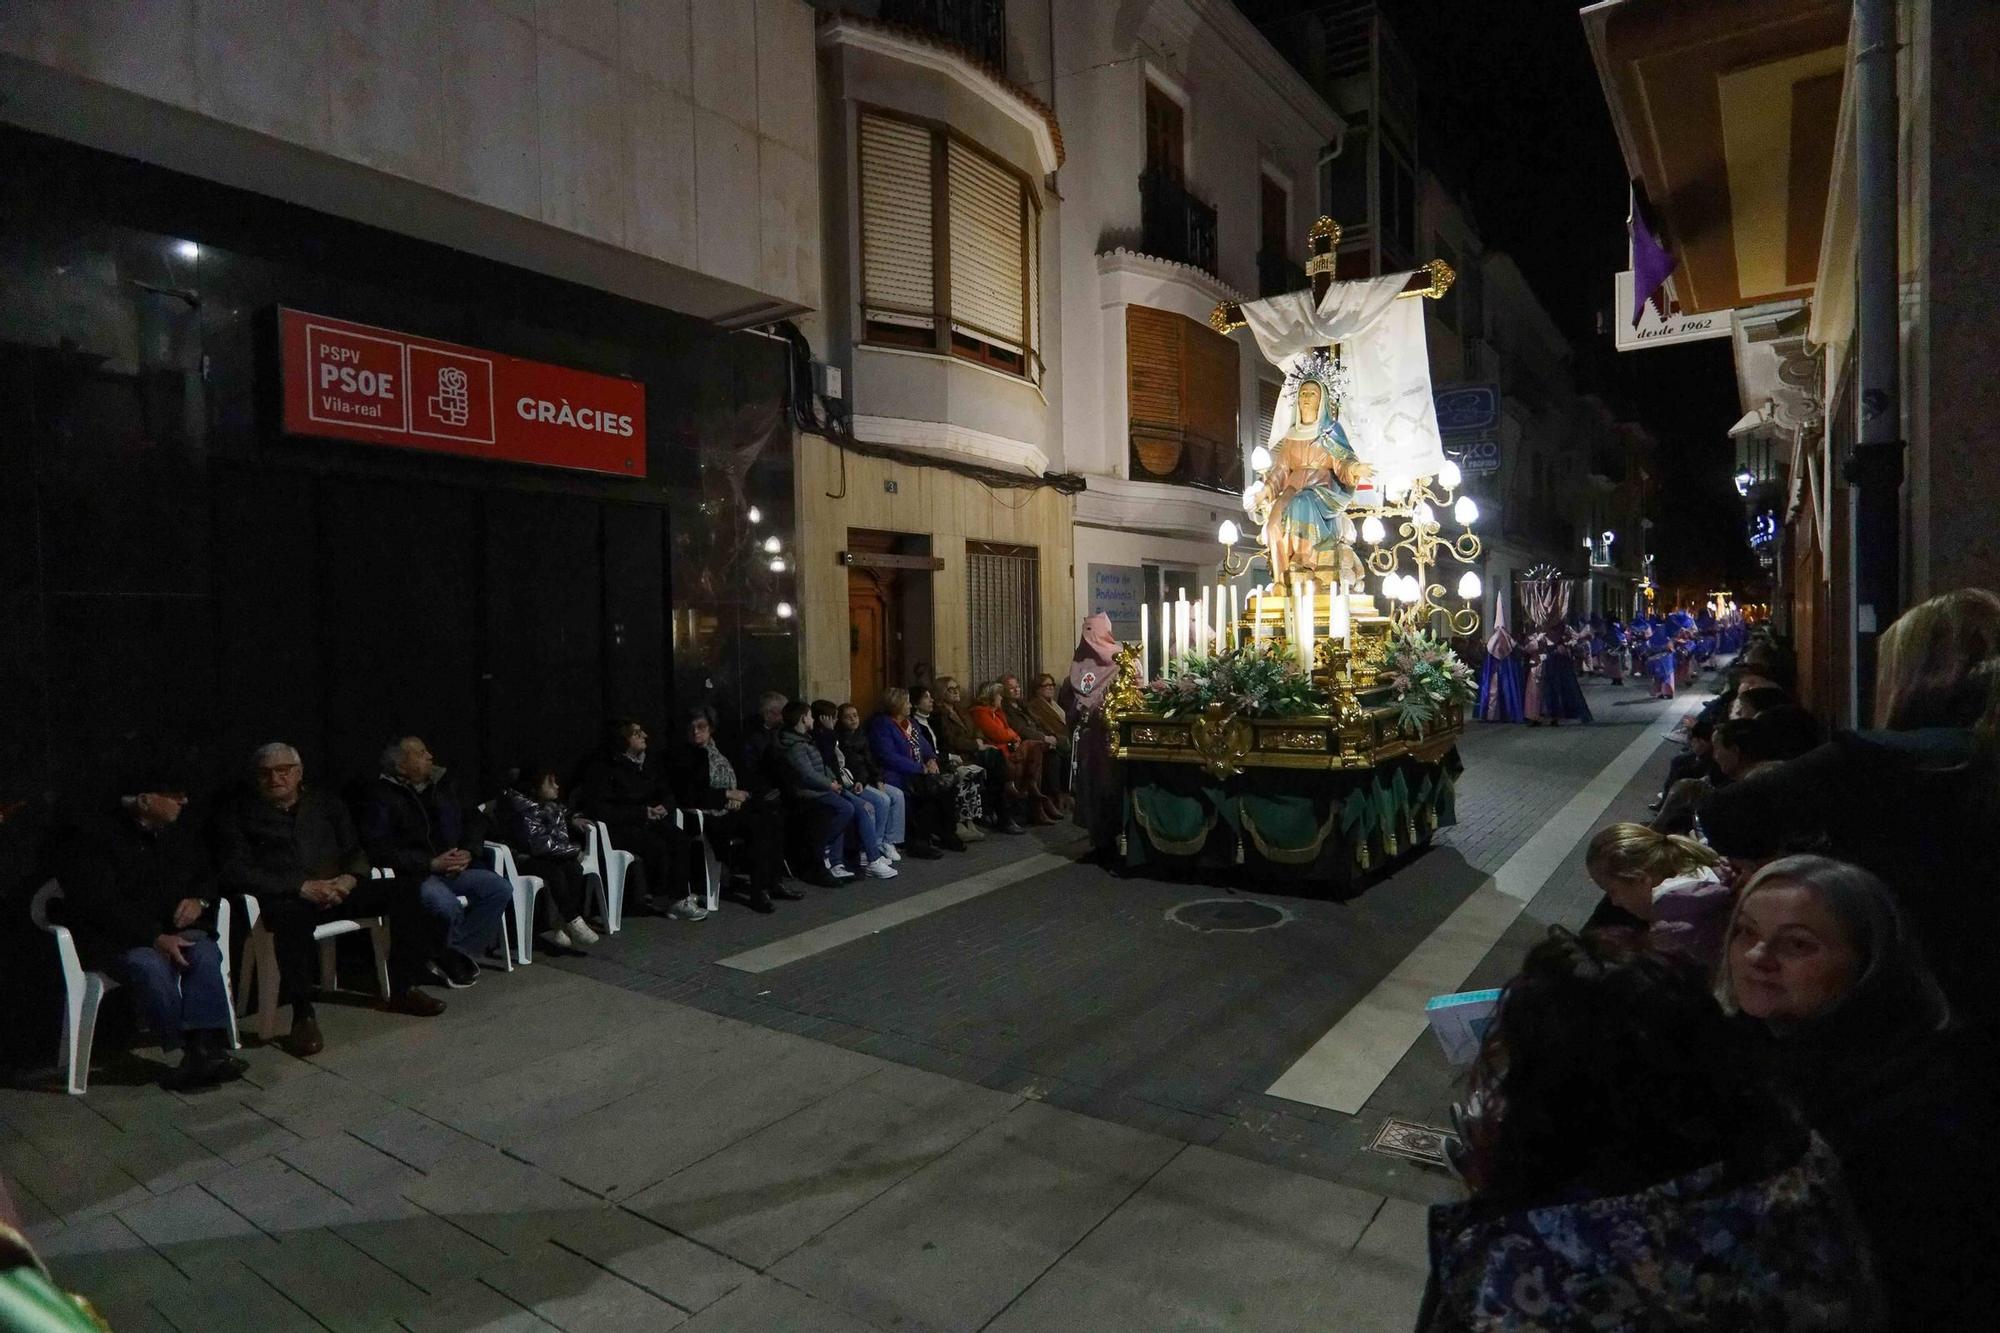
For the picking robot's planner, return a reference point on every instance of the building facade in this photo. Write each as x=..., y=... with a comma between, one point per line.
x=422, y=205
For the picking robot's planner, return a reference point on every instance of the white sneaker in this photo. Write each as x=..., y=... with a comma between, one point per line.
x=581, y=933
x=687, y=909
x=558, y=938
x=839, y=871
x=889, y=851
x=879, y=868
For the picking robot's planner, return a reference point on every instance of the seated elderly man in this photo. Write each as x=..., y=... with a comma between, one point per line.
x=138, y=898
x=297, y=851
x=415, y=822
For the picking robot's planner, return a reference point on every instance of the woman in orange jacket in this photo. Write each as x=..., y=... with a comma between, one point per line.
x=1024, y=758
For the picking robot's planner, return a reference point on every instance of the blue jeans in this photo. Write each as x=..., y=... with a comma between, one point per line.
x=849, y=814
x=889, y=811
x=169, y=1000
x=475, y=925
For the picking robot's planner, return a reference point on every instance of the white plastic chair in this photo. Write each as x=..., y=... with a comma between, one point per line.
x=84, y=991
x=609, y=864
x=260, y=957
x=526, y=889
x=711, y=863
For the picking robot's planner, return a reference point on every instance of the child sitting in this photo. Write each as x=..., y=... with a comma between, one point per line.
x=546, y=839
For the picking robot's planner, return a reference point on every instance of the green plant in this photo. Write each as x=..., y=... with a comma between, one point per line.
x=1428, y=678
x=1256, y=680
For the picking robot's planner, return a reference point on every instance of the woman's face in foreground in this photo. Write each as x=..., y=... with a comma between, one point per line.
x=1789, y=957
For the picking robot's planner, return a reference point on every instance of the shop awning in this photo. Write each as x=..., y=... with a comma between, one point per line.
x=1726, y=112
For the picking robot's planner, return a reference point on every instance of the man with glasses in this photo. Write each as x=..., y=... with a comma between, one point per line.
x=139, y=899
x=297, y=851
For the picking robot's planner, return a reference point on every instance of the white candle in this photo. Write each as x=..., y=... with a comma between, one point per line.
x=1337, y=627
x=1256, y=620
x=1166, y=637
x=1201, y=623
x=1145, y=641
x=1310, y=614
x=1235, y=613
x=1181, y=625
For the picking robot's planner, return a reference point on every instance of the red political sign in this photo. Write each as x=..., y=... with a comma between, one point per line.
x=357, y=382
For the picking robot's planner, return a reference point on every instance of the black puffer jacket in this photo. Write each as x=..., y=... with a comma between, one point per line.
x=537, y=828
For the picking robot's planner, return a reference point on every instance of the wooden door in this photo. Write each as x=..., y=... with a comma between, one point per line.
x=1165, y=134
x=868, y=639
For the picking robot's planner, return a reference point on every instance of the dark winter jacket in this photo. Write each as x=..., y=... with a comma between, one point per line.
x=122, y=883
x=860, y=756
x=617, y=790
x=807, y=777
x=830, y=754
x=693, y=788
x=955, y=729
x=404, y=827
x=762, y=772
x=271, y=853
x=900, y=755
x=537, y=828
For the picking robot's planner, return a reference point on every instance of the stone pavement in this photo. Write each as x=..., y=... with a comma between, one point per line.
x=1035, y=1108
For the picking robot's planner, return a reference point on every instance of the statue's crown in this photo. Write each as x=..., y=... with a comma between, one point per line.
x=1327, y=369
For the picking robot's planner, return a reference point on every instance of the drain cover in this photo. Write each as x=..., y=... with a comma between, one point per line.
x=1228, y=914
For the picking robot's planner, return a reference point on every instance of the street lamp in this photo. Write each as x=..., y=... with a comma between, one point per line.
x=1744, y=479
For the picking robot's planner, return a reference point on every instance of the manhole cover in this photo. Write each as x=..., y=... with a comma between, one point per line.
x=1228, y=914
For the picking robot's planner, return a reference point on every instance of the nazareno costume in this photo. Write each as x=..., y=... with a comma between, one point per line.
x=1099, y=801
x=1501, y=678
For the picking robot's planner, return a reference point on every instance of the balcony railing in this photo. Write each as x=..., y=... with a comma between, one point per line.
x=1277, y=275
x=1174, y=224
x=979, y=27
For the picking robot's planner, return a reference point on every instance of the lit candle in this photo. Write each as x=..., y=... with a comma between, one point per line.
x=1308, y=614
x=1336, y=616
x=1201, y=623
x=1235, y=613
x=1181, y=624
x=1166, y=637
x=1256, y=620
x=1145, y=641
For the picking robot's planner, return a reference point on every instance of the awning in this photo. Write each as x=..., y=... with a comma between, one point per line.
x=1726, y=112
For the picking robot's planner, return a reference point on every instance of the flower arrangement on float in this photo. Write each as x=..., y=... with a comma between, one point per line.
x=1261, y=679
x=1428, y=678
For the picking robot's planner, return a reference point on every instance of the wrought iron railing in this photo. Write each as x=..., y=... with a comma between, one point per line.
x=1277, y=275
x=979, y=27
x=1173, y=223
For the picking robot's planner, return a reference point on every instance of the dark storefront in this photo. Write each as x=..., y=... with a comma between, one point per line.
x=177, y=571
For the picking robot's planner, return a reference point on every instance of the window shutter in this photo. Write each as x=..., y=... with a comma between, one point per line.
x=1153, y=382
x=988, y=285
x=896, y=223
x=1210, y=405
x=1267, y=410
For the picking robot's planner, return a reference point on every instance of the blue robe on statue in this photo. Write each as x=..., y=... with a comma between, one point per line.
x=1500, y=680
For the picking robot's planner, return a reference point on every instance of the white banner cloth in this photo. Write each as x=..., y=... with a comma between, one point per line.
x=1389, y=415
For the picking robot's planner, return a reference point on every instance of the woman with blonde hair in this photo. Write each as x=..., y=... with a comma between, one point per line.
x=1675, y=888
x=1025, y=758
x=1914, y=800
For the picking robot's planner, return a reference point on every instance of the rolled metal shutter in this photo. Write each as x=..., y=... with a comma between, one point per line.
x=896, y=281
x=988, y=258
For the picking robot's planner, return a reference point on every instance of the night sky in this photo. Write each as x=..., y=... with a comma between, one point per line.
x=1514, y=122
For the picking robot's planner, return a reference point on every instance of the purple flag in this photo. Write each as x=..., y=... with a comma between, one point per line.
x=1651, y=264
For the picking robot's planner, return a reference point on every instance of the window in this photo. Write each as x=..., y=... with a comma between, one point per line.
x=1182, y=394
x=1267, y=410
x=933, y=206
x=1002, y=599
x=1166, y=134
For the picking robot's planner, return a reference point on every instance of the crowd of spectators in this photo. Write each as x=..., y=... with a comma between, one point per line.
x=817, y=794
x=1757, y=1089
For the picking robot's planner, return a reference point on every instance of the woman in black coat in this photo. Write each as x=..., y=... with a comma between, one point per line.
x=625, y=789
x=744, y=832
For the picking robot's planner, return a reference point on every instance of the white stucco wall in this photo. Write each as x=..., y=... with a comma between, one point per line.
x=665, y=149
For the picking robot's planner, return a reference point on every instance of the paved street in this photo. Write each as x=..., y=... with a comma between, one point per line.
x=1021, y=1098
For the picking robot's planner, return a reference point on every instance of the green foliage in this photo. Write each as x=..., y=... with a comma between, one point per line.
x=1256, y=680
x=1428, y=678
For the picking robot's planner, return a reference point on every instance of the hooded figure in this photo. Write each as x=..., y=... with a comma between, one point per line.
x=1095, y=783
x=1500, y=679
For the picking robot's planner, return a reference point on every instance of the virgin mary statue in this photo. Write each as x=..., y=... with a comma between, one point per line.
x=1313, y=473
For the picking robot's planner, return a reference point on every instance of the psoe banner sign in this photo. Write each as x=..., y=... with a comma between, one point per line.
x=1651, y=330
x=350, y=381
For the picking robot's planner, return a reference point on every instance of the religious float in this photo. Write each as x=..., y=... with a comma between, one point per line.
x=1299, y=720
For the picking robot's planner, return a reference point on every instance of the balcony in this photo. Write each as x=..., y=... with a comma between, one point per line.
x=1175, y=225
x=1277, y=275
x=977, y=27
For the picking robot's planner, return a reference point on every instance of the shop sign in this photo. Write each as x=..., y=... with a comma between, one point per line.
x=1468, y=418
x=351, y=381
x=1652, y=330
x=1118, y=591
